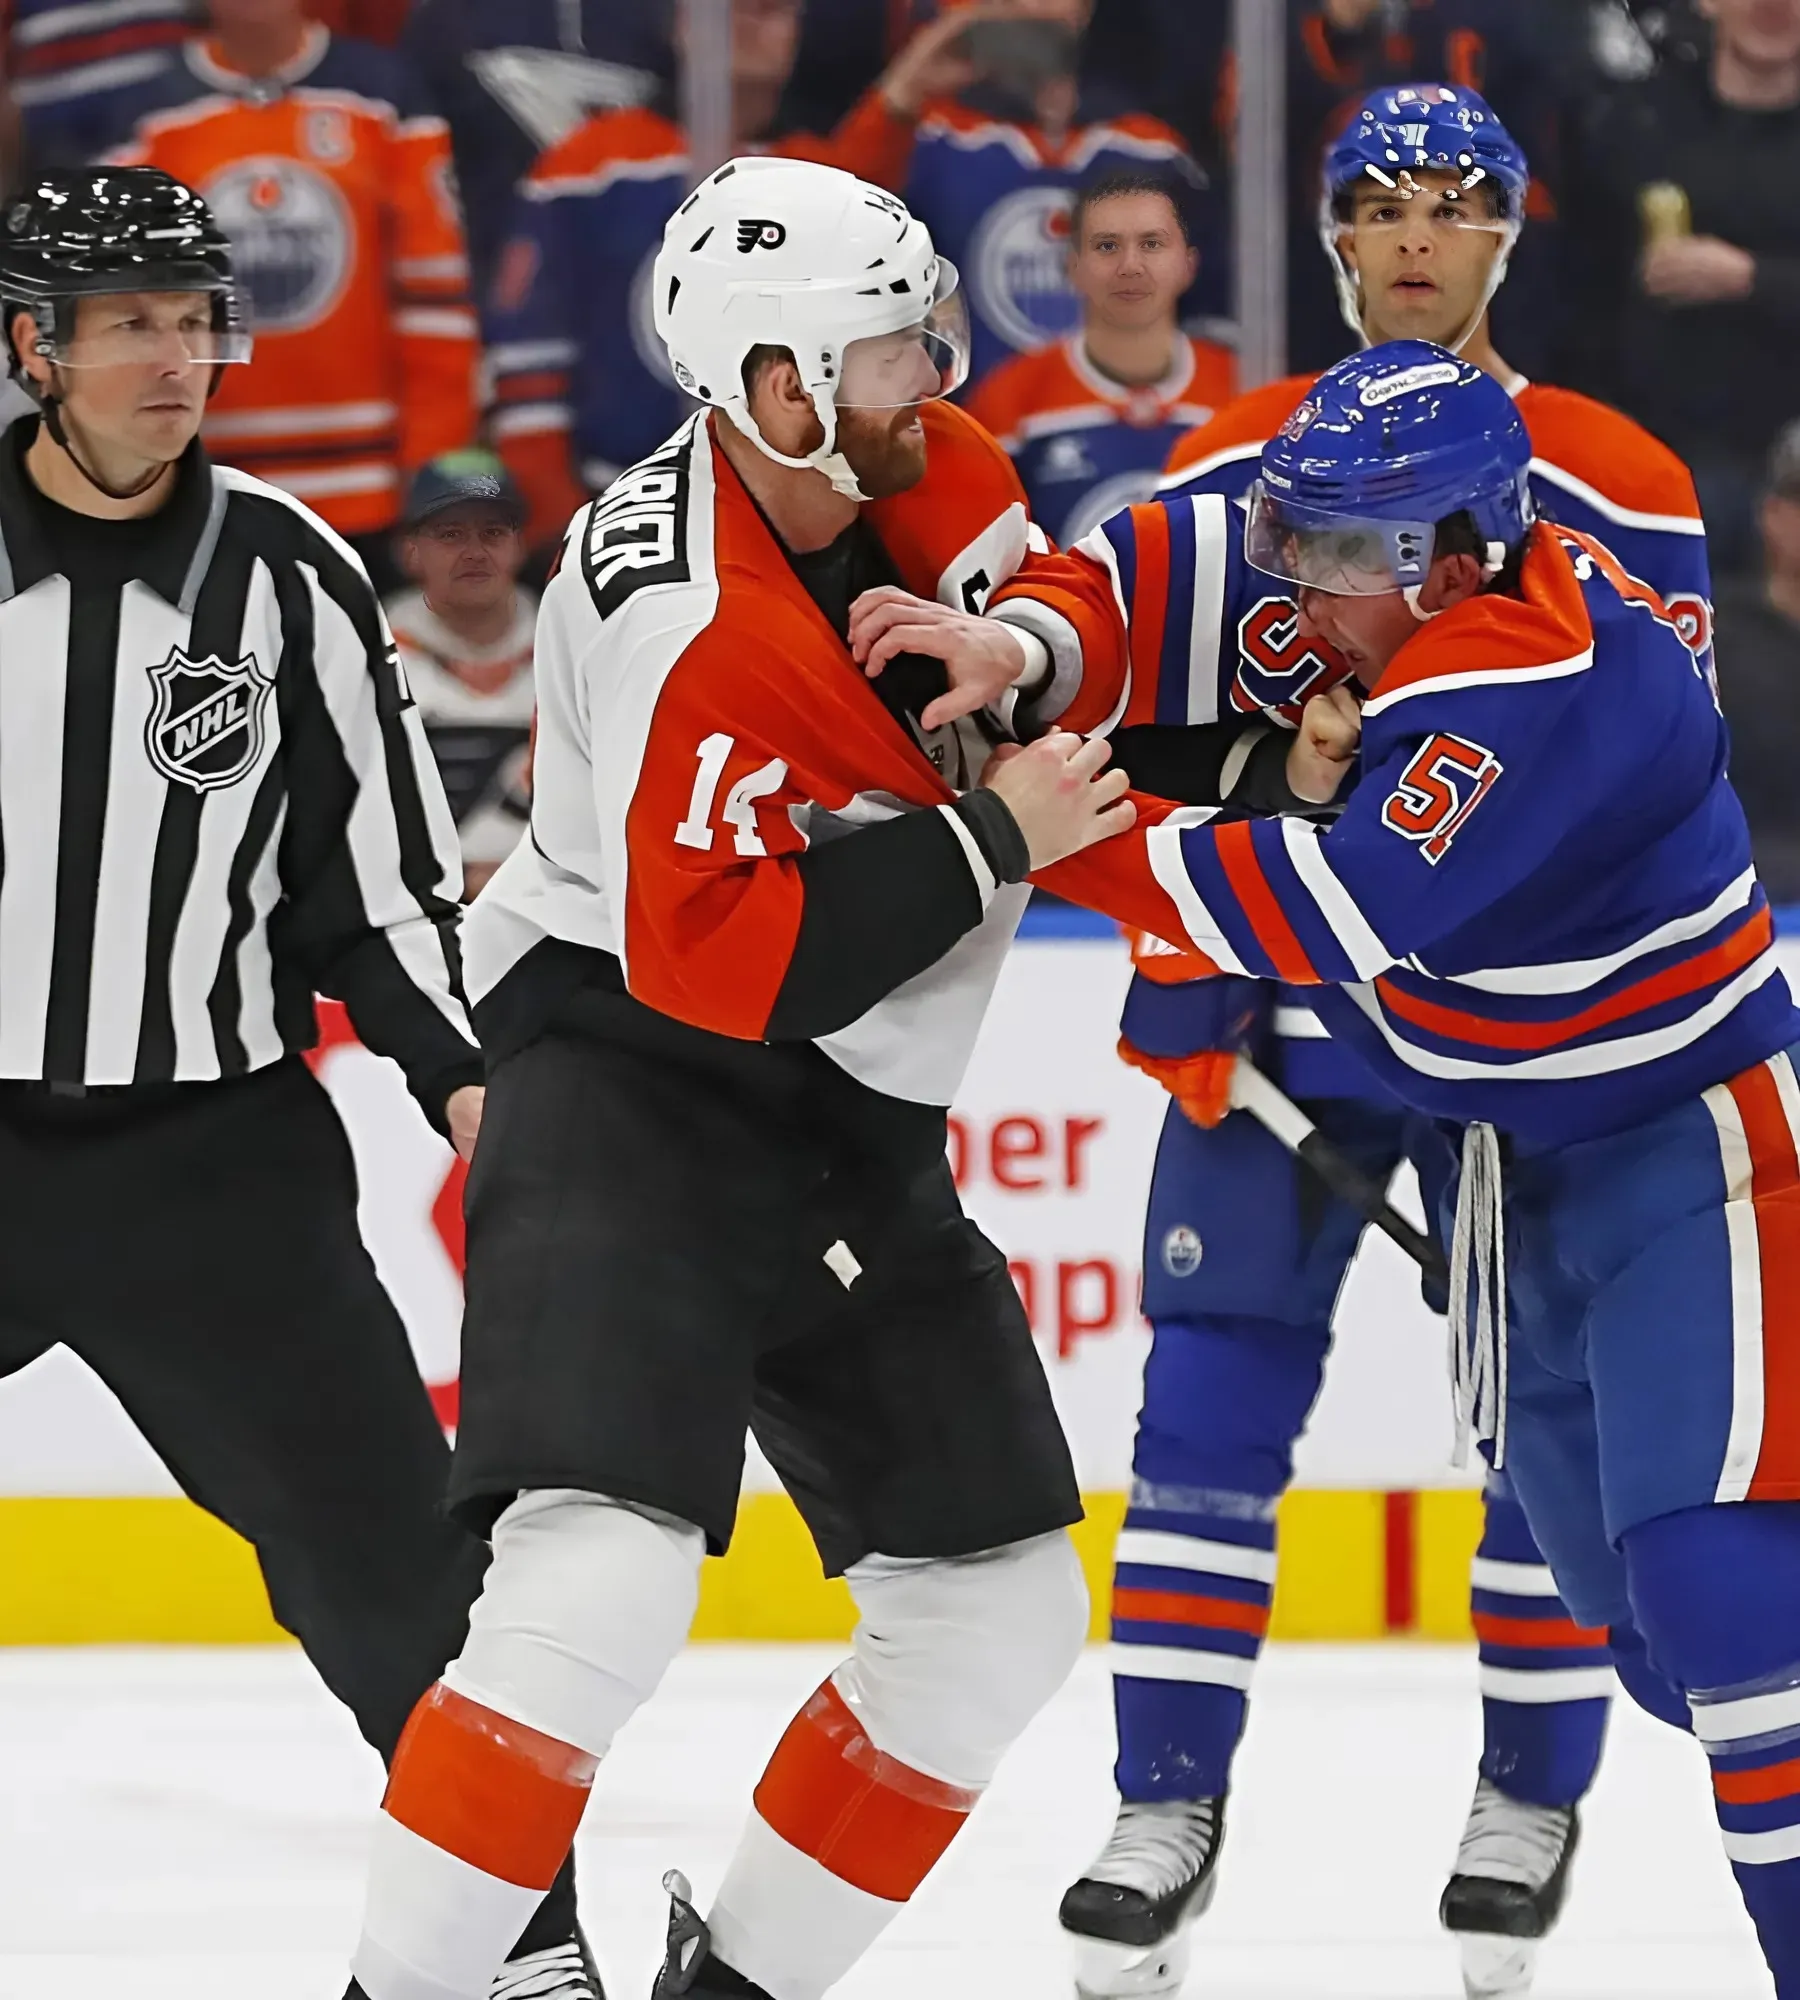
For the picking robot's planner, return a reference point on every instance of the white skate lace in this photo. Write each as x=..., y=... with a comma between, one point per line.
x=1478, y=1265
x=555, y=1974
x=1507, y=1840
x=1155, y=1848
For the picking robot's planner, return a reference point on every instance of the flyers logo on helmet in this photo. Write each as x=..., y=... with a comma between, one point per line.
x=1438, y=791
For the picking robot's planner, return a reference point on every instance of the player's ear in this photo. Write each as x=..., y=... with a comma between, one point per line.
x=1453, y=581
x=22, y=332
x=1193, y=265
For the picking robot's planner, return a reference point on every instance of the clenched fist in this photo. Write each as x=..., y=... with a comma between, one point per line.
x=1325, y=748
x=1060, y=795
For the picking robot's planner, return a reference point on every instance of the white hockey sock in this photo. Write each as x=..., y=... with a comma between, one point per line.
x=785, y=1921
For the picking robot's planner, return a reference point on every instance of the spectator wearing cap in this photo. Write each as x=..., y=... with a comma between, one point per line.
x=1683, y=221
x=465, y=637
x=1091, y=420
x=1758, y=650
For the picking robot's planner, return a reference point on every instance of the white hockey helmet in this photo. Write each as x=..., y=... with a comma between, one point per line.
x=785, y=253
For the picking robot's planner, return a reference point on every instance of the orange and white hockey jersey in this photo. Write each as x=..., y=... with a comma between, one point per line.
x=704, y=734
x=334, y=183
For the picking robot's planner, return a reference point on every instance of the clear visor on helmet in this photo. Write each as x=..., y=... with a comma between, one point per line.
x=917, y=364
x=143, y=330
x=1447, y=206
x=1344, y=555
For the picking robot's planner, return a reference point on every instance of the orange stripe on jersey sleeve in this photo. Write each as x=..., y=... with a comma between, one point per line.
x=1237, y=856
x=1775, y=1192
x=1149, y=609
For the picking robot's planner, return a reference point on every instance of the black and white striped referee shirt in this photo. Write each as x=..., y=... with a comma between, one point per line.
x=216, y=797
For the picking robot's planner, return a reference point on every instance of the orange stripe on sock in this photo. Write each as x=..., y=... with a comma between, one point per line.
x=1493, y=1631
x=503, y=1798
x=873, y=1821
x=1174, y=1607
x=1758, y=1788
x=1775, y=1192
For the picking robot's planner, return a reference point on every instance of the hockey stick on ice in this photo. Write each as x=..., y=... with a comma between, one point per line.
x=1273, y=1109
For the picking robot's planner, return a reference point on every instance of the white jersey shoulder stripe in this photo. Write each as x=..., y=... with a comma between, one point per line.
x=1498, y=677
x=1173, y=482
x=1206, y=628
x=1627, y=517
x=1576, y=974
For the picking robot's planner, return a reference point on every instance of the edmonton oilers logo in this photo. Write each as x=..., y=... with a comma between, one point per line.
x=1182, y=1251
x=290, y=239
x=1017, y=268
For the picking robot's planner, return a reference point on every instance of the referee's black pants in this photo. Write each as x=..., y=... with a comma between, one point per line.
x=197, y=1246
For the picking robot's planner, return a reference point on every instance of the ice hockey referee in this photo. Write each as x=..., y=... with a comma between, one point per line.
x=216, y=801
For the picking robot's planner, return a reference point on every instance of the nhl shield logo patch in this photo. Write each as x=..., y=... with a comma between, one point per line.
x=206, y=725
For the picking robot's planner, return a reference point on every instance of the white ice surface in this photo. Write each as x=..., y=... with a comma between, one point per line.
x=190, y=1825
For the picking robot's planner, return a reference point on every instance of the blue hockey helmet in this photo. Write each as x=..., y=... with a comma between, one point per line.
x=1406, y=129
x=1386, y=445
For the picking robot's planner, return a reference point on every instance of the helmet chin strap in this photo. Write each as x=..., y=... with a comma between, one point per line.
x=51, y=409
x=825, y=458
x=1349, y=289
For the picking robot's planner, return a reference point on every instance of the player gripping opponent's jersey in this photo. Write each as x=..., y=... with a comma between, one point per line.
x=1243, y=1327
x=1537, y=920
x=728, y=987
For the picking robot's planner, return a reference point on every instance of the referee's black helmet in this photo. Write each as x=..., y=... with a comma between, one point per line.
x=90, y=230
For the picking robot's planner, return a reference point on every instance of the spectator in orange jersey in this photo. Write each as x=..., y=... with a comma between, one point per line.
x=581, y=382
x=1091, y=421
x=321, y=161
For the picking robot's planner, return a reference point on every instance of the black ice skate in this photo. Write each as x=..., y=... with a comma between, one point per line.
x=1131, y=1912
x=561, y=1972
x=1512, y=1873
x=690, y=1966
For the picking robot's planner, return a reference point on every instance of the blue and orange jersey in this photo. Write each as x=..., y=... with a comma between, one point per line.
x=996, y=197
x=1538, y=906
x=333, y=180
x=581, y=384
x=1592, y=468
x=1085, y=445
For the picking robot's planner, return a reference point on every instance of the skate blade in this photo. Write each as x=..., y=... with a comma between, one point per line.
x=1106, y=1971
x=1497, y=1968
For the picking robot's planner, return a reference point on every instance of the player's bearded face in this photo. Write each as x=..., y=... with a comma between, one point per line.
x=884, y=448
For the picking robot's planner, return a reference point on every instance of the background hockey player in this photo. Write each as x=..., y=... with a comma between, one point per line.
x=1091, y=420
x=1242, y=1333
x=216, y=803
x=580, y=381
x=332, y=178
x=1537, y=920
x=465, y=631
x=727, y=990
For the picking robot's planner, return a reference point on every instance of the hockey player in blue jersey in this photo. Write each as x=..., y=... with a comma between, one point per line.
x=1242, y=1334
x=1538, y=923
